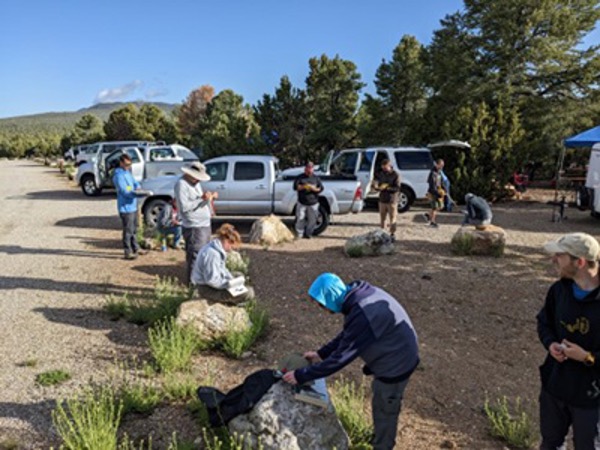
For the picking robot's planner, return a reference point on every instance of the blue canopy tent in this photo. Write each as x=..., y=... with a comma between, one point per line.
x=586, y=139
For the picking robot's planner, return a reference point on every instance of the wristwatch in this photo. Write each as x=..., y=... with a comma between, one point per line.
x=589, y=359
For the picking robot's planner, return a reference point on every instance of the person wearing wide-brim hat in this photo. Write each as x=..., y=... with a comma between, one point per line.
x=195, y=210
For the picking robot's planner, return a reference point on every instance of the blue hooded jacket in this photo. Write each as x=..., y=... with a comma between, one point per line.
x=376, y=328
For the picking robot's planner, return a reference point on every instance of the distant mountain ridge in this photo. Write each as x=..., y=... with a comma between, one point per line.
x=64, y=121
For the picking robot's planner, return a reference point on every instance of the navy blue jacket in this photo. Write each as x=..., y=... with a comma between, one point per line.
x=376, y=328
x=578, y=321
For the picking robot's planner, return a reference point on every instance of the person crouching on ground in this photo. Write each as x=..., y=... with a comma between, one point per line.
x=169, y=223
x=387, y=182
x=477, y=212
x=308, y=186
x=569, y=328
x=127, y=204
x=210, y=276
x=376, y=328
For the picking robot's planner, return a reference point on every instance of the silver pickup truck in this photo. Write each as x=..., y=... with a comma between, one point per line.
x=147, y=162
x=251, y=185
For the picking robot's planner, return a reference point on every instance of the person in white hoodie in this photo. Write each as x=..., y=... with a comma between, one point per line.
x=210, y=276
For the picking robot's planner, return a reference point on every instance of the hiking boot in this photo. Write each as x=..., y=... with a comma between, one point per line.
x=426, y=217
x=130, y=256
x=433, y=225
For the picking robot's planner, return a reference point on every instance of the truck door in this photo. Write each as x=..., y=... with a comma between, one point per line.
x=218, y=183
x=250, y=188
x=107, y=166
x=370, y=161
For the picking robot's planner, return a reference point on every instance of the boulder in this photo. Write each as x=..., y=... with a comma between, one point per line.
x=270, y=230
x=278, y=421
x=212, y=320
x=485, y=240
x=373, y=243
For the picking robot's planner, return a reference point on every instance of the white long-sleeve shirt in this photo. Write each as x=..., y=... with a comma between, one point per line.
x=193, y=209
x=209, y=268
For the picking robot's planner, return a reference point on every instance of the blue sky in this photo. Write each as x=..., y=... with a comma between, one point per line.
x=65, y=55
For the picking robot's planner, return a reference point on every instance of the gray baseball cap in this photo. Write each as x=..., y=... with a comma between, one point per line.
x=580, y=245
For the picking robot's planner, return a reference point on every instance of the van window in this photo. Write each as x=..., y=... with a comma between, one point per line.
x=345, y=164
x=366, y=161
x=417, y=160
x=248, y=171
x=217, y=171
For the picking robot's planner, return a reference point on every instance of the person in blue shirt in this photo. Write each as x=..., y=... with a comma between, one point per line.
x=127, y=204
x=378, y=330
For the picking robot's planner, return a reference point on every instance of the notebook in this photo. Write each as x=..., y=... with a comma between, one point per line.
x=236, y=286
x=315, y=394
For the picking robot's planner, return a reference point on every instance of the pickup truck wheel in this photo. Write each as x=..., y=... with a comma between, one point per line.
x=88, y=186
x=322, y=220
x=152, y=210
x=406, y=199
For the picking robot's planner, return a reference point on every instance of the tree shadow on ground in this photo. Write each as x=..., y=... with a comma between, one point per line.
x=95, y=222
x=119, y=332
x=37, y=415
x=99, y=243
x=19, y=250
x=46, y=284
x=59, y=195
x=176, y=270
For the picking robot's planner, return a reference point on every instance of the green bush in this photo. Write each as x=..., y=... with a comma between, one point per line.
x=234, y=343
x=463, y=245
x=90, y=421
x=355, y=252
x=514, y=428
x=179, y=387
x=349, y=401
x=52, y=377
x=138, y=397
x=172, y=346
x=237, y=262
x=165, y=300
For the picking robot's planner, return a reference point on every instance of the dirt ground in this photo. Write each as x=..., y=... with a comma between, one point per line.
x=475, y=316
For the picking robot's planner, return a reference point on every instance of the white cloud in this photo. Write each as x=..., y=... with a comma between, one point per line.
x=118, y=93
x=153, y=93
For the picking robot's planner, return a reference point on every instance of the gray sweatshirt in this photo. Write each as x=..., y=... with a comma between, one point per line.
x=209, y=268
x=193, y=210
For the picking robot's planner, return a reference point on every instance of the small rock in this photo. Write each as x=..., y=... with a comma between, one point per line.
x=449, y=444
x=270, y=230
x=246, y=355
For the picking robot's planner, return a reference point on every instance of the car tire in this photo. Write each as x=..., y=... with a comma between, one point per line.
x=407, y=198
x=88, y=186
x=152, y=210
x=323, y=219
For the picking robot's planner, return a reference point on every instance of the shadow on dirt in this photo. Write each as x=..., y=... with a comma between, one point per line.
x=19, y=250
x=119, y=332
x=37, y=415
x=92, y=222
x=46, y=284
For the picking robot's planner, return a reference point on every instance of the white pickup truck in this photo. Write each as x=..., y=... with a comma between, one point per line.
x=147, y=162
x=250, y=185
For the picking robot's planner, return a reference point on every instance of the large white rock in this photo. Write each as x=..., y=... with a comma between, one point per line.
x=373, y=243
x=212, y=320
x=485, y=240
x=270, y=230
x=279, y=421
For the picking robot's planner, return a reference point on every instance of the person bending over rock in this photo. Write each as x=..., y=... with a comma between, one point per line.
x=376, y=328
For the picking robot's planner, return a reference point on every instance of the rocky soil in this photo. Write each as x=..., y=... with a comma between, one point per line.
x=60, y=257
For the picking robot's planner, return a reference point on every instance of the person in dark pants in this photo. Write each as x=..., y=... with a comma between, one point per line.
x=308, y=186
x=195, y=210
x=127, y=204
x=376, y=328
x=435, y=192
x=387, y=182
x=569, y=328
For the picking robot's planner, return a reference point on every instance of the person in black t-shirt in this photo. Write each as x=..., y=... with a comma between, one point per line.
x=308, y=186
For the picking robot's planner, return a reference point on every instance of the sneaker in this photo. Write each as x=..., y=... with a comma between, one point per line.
x=433, y=225
x=130, y=256
x=426, y=217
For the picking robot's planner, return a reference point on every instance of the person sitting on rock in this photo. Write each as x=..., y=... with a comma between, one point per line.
x=210, y=276
x=478, y=211
x=376, y=328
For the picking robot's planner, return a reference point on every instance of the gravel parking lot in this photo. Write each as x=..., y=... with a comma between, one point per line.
x=60, y=257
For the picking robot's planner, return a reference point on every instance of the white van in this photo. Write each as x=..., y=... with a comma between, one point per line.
x=588, y=196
